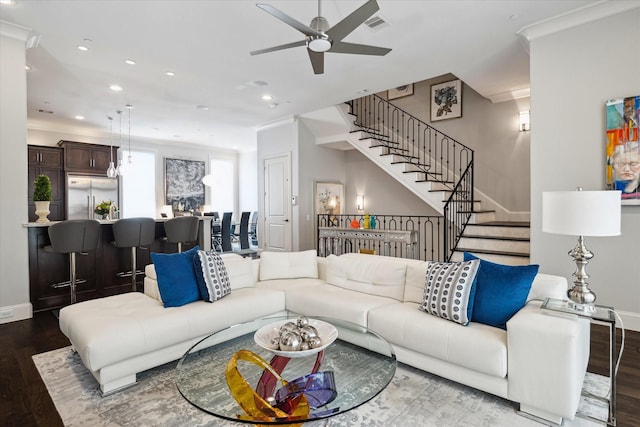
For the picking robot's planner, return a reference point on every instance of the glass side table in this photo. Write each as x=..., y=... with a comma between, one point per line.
x=599, y=315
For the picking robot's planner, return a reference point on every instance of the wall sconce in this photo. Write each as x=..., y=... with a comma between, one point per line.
x=360, y=203
x=525, y=123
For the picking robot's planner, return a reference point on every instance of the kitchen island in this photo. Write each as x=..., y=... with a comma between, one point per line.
x=99, y=268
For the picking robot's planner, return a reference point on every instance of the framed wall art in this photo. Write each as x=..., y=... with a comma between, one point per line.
x=184, y=189
x=623, y=148
x=446, y=100
x=328, y=198
x=400, y=91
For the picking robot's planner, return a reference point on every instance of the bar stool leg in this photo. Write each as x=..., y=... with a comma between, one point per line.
x=179, y=247
x=134, y=269
x=72, y=268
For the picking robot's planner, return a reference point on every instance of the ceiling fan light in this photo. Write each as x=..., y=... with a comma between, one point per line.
x=319, y=45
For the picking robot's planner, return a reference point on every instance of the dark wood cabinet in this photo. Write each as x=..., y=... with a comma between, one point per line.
x=47, y=161
x=87, y=158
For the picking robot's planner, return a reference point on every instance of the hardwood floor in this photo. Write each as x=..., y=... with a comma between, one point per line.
x=25, y=401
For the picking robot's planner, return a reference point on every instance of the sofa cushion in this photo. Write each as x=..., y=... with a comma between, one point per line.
x=212, y=276
x=333, y=301
x=113, y=329
x=501, y=290
x=288, y=265
x=177, y=281
x=243, y=272
x=373, y=275
x=449, y=290
x=414, y=283
x=479, y=347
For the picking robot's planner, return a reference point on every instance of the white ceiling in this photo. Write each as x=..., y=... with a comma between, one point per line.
x=207, y=45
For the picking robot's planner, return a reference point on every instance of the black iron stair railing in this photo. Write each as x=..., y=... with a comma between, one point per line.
x=437, y=158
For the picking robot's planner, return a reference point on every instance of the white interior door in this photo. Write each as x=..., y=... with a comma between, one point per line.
x=277, y=205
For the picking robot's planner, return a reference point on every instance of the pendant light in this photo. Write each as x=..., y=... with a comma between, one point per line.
x=129, y=158
x=122, y=167
x=111, y=170
x=208, y=180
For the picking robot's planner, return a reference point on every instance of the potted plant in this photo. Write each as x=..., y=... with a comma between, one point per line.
x=42, y=197
x=105, y=208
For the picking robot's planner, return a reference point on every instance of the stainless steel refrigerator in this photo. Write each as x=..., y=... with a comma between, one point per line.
x=84, y=192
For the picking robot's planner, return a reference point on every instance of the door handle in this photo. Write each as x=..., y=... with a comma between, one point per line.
x=88, y=204
x=286, y=220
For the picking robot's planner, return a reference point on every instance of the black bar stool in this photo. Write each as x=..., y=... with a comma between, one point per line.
x=72, y=237
x=182, y=229
x=133, y=233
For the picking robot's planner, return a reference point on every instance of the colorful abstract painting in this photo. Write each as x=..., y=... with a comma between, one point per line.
x=623, y=148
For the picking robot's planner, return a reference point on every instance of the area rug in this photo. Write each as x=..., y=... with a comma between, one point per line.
x=413, y=398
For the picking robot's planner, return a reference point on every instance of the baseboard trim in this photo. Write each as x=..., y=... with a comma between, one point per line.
x=631, y=320
x=13, y=313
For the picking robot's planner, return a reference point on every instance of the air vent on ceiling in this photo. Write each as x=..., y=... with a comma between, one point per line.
x=376, y=22
x=40, y=110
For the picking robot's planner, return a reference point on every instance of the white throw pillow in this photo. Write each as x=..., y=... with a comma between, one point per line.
x=449, y=291
x=288, y=265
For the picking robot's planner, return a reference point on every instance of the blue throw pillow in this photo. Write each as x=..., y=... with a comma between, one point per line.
x=501, y=290
x=177, y=281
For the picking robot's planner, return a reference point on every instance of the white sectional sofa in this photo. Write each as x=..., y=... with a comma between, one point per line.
x=539, y=361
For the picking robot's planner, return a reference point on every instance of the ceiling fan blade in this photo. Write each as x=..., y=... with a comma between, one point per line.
x=317, y=61
x=358, y=49
x=307, y=31
x=353, y=21
x=280, y=47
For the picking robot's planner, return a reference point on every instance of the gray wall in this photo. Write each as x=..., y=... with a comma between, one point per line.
x=14, y=261
x=501, y=150
x=383, y=195
x=573, y=73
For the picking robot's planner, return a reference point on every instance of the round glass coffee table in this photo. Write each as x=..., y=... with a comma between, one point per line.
x=358, y=365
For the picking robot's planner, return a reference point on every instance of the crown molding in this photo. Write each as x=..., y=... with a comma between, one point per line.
x=589, y=13
x=510, y=95
x=15, y=31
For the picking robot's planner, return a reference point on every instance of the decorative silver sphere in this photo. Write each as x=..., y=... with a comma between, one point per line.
x=302, y=321
x=308, y=332
x=290, y=341
x=314, y=342
x=288, y=327
x=275, y=342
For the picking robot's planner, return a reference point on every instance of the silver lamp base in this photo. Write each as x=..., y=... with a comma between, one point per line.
x=581, y=297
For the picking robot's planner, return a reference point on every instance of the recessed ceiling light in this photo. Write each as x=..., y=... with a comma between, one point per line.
x=83, y=47
x=130, y=61
x=129, y=106
x=514, y=17
x=267, y=97
x=116, y=88
x=170, y=73
x=8, y=2
x=28, y=68
x=78, y=117
x=202, y=107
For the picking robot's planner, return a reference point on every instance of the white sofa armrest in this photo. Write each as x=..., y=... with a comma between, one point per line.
x=548, y=354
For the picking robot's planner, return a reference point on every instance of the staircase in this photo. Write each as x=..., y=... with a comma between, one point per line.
x=439, y=170
x=504, y=242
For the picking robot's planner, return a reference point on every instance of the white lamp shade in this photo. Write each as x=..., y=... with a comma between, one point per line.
x=581, y=213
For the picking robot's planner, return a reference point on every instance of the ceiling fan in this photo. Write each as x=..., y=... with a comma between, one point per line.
x=320, y=38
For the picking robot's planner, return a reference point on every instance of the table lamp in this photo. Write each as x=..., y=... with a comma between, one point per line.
x=581, y=213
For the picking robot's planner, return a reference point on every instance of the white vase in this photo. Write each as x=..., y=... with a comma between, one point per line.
x=42, y=210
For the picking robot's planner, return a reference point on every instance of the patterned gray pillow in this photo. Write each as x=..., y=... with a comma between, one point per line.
x=449, y=290
x=212, y=276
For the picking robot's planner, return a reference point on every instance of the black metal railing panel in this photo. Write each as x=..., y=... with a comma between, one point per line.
x=439, y=157
x=403, y=236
